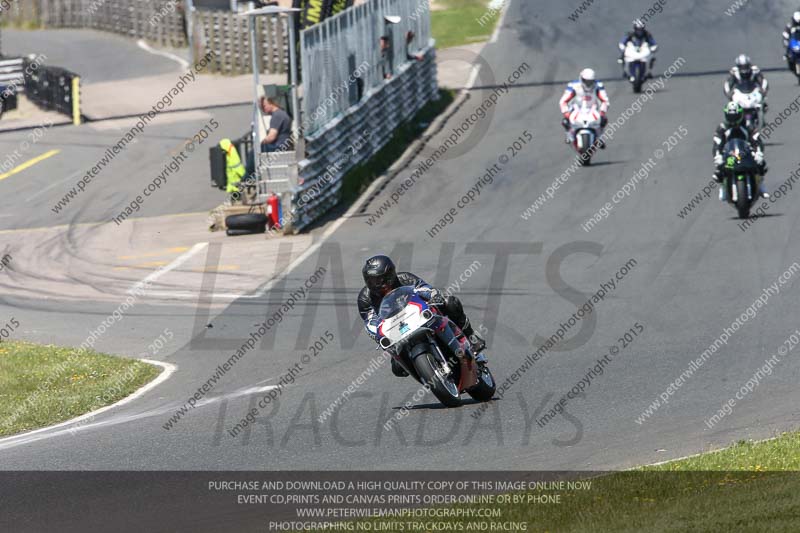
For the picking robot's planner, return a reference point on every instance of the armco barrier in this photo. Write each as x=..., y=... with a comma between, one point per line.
x=328, y=151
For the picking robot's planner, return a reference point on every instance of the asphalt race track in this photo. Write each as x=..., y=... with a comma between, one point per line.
x=692, y=277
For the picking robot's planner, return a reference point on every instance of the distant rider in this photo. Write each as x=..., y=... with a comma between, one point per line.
x=638, y=36
x=794, y=24
x=733, y=128
x=585, y=89
x=381, y=278
x=744, y=71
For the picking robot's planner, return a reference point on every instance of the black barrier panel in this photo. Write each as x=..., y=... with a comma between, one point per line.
x=49, y=87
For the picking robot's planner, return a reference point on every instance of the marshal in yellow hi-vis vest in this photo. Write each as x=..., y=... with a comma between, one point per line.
x=234, y=169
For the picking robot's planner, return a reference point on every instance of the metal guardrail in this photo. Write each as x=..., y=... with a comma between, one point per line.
x=381, y=112
x=348, y=113
x=333, y=50
x=11, y=72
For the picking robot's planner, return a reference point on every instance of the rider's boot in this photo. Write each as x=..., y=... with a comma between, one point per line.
x=477, y=342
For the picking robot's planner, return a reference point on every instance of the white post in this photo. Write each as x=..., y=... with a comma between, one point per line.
x=293, y=78
x=256, y=111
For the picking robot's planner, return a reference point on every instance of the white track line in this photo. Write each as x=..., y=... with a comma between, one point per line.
x=181, y=259
x=496, y=34
x=30, y=436
x=759, y=441
x=144, y=46
x=41, y=191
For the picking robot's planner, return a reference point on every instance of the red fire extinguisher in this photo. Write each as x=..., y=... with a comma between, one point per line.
x=274, y=211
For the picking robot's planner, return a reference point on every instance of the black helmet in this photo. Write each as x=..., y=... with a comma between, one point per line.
x=638, y=28
x=733, y=114
x=744, y=66
x=380, y=275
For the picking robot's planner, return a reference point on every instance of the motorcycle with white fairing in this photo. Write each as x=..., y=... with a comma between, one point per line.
x=750, y=98
x=585, y=124
x=432, y=348
x=637, y=64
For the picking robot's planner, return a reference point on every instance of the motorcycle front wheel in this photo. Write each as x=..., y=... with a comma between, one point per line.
x=484, y=390
x=742, y=202
x=441, y=385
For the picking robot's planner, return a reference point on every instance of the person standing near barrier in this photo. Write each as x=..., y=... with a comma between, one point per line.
x=279, y=134
x=234, y=169
x=386, y=57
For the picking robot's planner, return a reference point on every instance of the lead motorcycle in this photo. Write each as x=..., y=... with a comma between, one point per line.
x=432, y=348
x=585, y=122
x=741, y=176
x=636, y=63
x=748, y=95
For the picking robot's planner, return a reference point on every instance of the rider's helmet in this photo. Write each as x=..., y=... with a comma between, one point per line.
x=733, y=114
x=588, y=80
x=638, y=28
x=744, y=66
x=796, y=17
x=380, y=275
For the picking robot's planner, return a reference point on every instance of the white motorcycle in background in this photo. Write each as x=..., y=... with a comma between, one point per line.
x=749, y=97
x=637, y=63
x=585, y=123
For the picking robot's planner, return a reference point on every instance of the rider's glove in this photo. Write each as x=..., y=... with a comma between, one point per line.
x=718, y=160
x=759, y=157
x=603, y=121
x=565, y=123
x=436, y=298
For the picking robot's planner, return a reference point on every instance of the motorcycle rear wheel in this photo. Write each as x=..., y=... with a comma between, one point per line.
x=441, y=386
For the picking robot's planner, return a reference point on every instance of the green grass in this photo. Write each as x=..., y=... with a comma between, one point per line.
x=460, y=22
x=44, y=385
x=358, y=179
x=751, y=486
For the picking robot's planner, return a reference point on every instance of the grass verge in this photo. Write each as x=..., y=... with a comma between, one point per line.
x=44, y=385
x=751, y=486
x=358, y=178
x=460, y=22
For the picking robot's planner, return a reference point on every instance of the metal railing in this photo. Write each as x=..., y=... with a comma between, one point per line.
x=398, y=81
x=333, y=50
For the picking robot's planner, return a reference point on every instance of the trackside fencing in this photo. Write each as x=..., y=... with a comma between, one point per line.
x=163, y=23
x=344, y=128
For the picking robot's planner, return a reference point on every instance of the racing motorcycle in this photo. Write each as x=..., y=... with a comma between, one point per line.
x=637, y=61
x=585, y=122
x=793, y=53
x=432, y=348
x=748, y=95
x=741, y=176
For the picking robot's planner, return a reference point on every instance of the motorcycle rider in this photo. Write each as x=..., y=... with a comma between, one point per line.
x=585, y=89
x=794, y=24
x=638, y=36
x=732, y=128
x=381, y=278
x=745, y=71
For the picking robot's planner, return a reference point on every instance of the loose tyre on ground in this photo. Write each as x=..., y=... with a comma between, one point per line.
x=252, y=222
